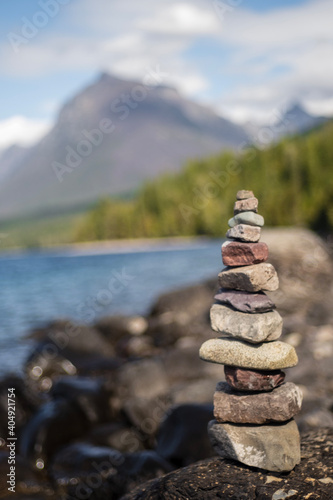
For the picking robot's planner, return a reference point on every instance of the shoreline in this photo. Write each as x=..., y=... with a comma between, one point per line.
x=104, y=247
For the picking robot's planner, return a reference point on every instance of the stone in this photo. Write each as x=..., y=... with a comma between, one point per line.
x=250, y=278
x=248, y=205
x=183, y=437
x=279, y=405
x=244, y=232
x=253, y=380
x=235, y=253
x=266, y=356
x=245, y=302
x=270, y=447
x=244, y=194
x=249, y=218
x=81, y=470
x=219, y=478
x=254, y=328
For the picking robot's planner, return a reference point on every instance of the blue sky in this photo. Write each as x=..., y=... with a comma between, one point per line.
x=247, y=59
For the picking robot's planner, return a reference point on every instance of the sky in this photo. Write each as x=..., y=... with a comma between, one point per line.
x=248, y=60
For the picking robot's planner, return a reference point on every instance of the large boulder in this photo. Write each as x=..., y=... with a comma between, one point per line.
x=305, y=269
x=183, y=437
x=181, y=313
x=99, y=473
x=220, y=478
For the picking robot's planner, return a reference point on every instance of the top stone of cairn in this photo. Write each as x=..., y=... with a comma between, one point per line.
x=243, y=194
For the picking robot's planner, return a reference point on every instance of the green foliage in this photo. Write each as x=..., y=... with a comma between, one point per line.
x=293, y=181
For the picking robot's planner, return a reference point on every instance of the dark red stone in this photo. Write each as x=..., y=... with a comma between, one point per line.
x=237, y=253
x=253, y=380
x=245, y=301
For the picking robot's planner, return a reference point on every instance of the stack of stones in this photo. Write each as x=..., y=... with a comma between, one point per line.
x=254, y=408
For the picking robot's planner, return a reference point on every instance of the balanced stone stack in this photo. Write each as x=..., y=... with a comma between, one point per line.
x=254, y=408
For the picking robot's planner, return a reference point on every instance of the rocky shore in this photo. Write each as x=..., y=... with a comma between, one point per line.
x=103, y=409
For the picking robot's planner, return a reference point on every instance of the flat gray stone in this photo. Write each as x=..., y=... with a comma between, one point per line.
x=278, y=405
x=270, y=447
x=250, y=278
x=254, y=328
x=244, y=194
x=249, y=218
x=245, y=301
x=266, y=356
x=244, y=232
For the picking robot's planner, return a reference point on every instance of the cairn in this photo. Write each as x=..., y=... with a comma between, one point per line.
x=254, y=408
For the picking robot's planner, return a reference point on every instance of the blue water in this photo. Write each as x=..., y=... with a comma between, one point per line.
x=41, y=286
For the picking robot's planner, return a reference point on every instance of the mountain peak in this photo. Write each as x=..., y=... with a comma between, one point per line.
x=104, y=76
x=109, y=138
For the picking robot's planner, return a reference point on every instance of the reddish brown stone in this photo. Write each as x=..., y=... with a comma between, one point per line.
x=236, y=253
x=279, y=405
x=253, y=380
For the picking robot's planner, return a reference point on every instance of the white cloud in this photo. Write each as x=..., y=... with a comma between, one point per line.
x=181, y=19
x=272, y=57
x=21, y=130
x=283, y=56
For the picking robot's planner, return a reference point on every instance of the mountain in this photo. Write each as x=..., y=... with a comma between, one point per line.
x=108, y=139
x=294, y=121
x=10, y=159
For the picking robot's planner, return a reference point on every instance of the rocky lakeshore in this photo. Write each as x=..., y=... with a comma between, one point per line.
x=101, y=410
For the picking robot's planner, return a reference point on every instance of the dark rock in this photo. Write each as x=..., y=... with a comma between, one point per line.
x=244, y=301
x=69, y=337
x=55, y=424
x=198, y=391
x=253, y=380
x=96, y=473
x=184, y=365
x=181, y=313
x=133, y=346
x=90, y=395
x=144, y=378
x=237, y=253
x=183, y=437
x=115, y=328
x=279, y=405
x=117, y=435
x=225, y=479
x=145, y=415
x=191, y=301
x=47, y=362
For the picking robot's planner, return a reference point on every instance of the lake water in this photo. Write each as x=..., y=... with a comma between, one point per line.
x=40, y=286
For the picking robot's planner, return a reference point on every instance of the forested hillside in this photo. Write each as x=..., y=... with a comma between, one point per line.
x=293, y=181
